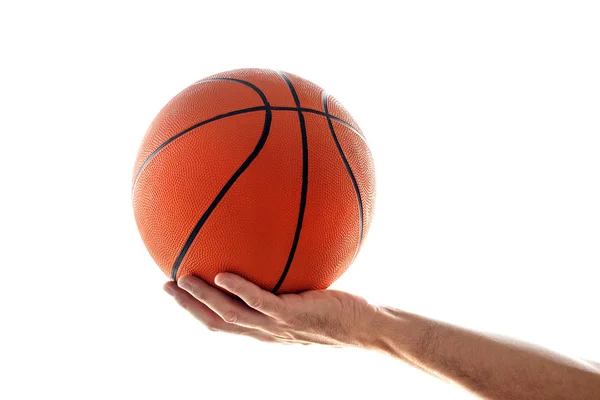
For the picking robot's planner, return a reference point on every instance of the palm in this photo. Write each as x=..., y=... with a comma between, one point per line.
x=321, y=316
x=331, y=304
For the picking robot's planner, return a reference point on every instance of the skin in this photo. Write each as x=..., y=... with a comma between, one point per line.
x=489, y=366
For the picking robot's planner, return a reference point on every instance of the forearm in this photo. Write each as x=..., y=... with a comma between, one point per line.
x=491, y=367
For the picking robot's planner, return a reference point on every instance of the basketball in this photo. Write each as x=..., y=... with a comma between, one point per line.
x=256, y=172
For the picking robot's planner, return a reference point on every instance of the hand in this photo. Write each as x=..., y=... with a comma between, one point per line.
x=327, y=317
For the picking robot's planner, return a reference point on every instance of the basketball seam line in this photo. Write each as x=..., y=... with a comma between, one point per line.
x=230, y=114
x=231, y=181
x=199, y=124
x=349, y=170
x=304, y=188
x=321, y=113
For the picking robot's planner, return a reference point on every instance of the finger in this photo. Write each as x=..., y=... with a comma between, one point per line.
x=231, y=311
x=254, y=296
x=209, y=318
x=258, y=335
x=200, y=311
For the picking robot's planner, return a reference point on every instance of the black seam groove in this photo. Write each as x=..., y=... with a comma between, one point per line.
x=304, y=183
x=230, y=114
x=231, y=181
x=199, y=124
x=348, y=169
x=310, y=110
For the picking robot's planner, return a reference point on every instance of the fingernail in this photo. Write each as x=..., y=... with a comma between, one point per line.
x=169, y=290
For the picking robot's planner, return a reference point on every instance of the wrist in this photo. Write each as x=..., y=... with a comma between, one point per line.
x=399, y=333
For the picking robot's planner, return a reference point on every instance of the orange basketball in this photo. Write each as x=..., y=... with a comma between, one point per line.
x=255, y=172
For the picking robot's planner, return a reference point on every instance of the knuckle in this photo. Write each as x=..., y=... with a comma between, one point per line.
x=211, y=326
x=256, y=302
x=182, y=302
x=200, y=295
x=231, y=317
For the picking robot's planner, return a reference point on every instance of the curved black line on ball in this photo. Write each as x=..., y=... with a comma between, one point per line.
x=333, y=117
x=348, y=169
x=230, y=114
x=304, y=183
x=191, y=128
x=220, y=116
x=231, y=181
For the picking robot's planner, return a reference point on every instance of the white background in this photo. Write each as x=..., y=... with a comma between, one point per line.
x=483, y=121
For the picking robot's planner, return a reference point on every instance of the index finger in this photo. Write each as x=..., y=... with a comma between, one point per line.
x=257, y=298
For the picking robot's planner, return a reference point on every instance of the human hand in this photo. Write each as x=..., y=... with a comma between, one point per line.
x=326, y=317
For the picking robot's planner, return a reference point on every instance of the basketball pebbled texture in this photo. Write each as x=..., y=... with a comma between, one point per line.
x=233, y=176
